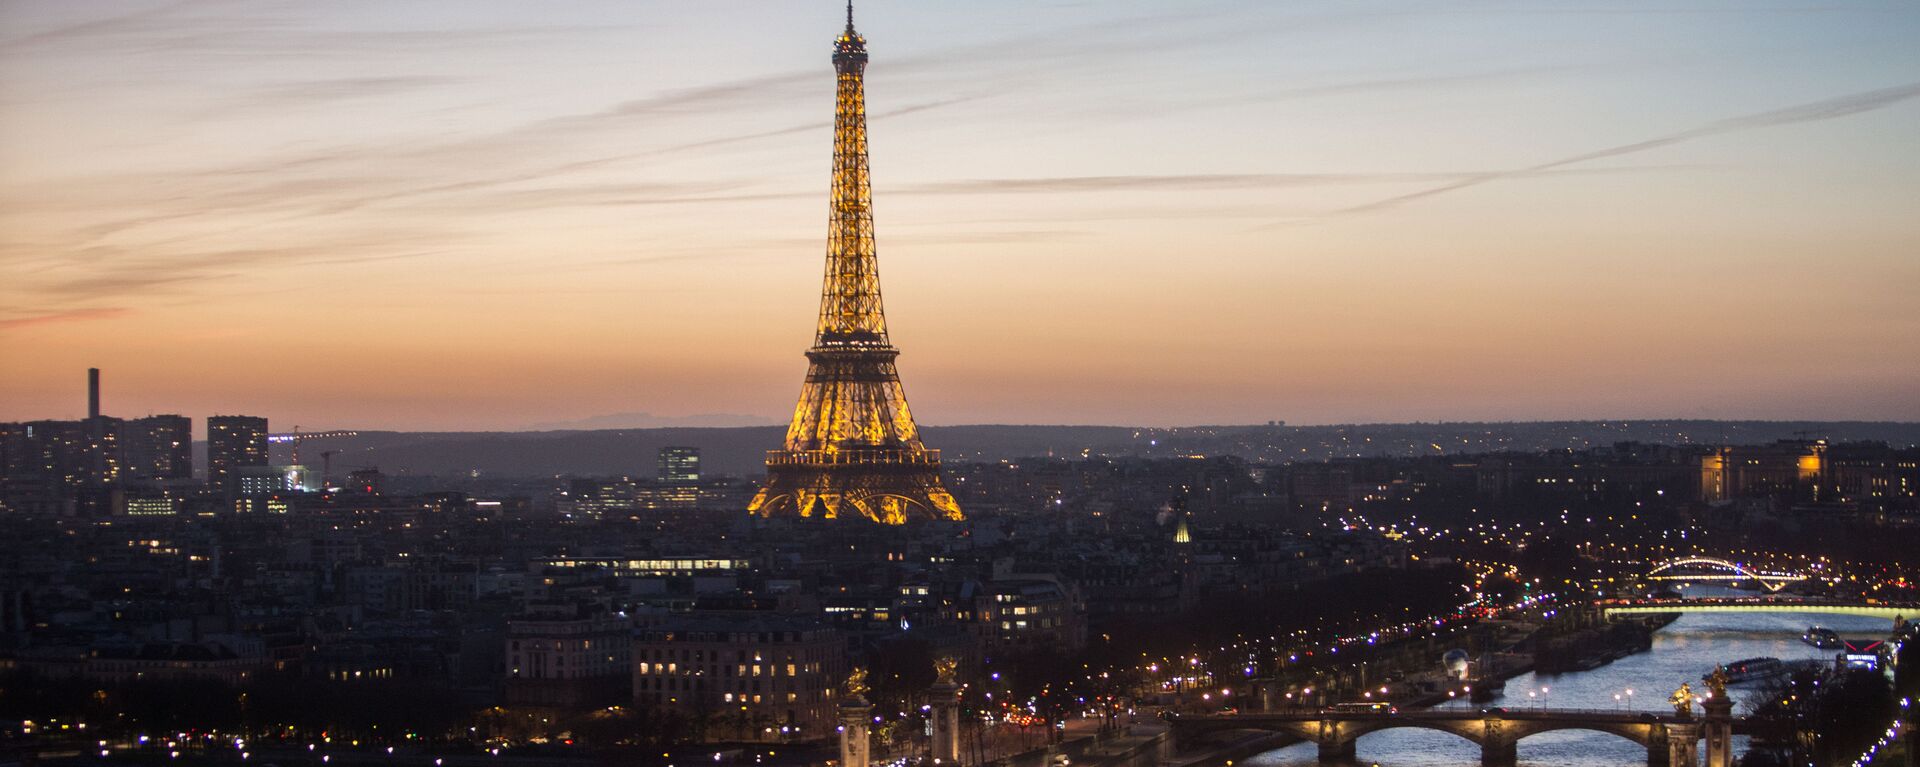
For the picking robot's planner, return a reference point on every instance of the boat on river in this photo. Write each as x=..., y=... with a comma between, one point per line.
x=1486, y=689
x=1754, y=670
x=1823, y=638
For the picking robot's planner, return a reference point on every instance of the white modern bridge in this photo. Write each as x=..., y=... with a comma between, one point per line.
x=1724, y=571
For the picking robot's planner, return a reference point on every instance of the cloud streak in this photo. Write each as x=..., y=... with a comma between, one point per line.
x=287, y=193
x=1200, y=181
x=176, y=29
x=118, y=272
x=1814, y=111
x=71, y=315
x=314, y=92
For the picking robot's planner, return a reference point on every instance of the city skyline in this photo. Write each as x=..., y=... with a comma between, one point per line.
x=473, y=216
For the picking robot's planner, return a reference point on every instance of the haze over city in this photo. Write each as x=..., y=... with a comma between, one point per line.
x=497, y=215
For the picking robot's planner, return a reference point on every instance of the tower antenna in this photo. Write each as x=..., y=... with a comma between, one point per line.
x=849, y=14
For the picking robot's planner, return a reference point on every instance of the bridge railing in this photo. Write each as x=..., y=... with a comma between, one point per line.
x=1787, y=601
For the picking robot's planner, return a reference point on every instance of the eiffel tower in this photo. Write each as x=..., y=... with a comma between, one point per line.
x=852, y=448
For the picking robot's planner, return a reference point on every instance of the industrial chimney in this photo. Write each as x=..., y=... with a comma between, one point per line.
x=93, y=392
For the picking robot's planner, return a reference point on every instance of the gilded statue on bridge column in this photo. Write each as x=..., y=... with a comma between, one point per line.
x=856, y=685
x=1717, y=683
x=1683, y=699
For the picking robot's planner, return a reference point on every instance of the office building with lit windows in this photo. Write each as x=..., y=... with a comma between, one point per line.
x=234, y=442
x=680, y=465
x=568, y=660
x=157, y=448
x=767, y=678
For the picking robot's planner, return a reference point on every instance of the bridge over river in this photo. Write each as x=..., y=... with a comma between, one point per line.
x=1670, y=740
x=1768, y=604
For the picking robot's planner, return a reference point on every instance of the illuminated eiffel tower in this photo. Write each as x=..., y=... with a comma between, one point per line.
x=853, y=448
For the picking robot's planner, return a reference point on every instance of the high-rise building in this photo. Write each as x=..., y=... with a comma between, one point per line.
x=157, y=447
x=853, y=447
x=234, y=442
x=66, y=454
x=680, y=465
x=70, y=455
x=100, y=460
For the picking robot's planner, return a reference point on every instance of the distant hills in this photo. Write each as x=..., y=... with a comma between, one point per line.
x=651, y=421
x=740, y=450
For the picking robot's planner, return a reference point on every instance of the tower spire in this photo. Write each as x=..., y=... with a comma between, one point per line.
x=850, y=309
x=853, y=445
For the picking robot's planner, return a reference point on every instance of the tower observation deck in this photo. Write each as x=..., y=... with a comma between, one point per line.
x=852, y=448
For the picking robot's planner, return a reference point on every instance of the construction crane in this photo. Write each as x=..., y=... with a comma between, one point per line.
x=296, y=437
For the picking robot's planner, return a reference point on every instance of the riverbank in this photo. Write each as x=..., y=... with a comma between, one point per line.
x=1591, y=647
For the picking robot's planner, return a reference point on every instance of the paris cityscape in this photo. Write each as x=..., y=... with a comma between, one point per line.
x=1312, y=384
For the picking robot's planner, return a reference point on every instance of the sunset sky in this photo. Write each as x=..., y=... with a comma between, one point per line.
x=467, y=214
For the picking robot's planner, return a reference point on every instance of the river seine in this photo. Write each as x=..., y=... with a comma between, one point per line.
x=1682, y=652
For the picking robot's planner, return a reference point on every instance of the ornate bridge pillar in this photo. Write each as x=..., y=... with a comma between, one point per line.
x=855, y=716
x=1336, y=752
x=946, y=723
x=1657, y=746
x=1333, y=747
x=1499, y=746
x=1683, y=744
x=1718, y=730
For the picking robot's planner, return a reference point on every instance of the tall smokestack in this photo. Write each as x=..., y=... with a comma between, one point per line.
x=93, y=392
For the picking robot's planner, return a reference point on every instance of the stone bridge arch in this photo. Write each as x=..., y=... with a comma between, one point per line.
x=1642, y=733
x=1343, y=741
x=1472, y=730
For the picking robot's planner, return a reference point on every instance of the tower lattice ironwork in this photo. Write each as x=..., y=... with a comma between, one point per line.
x=852, y=448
